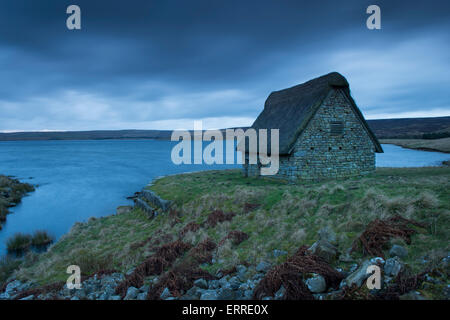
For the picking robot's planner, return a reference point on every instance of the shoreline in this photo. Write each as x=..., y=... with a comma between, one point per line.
x=431, y=145
x=11, y=193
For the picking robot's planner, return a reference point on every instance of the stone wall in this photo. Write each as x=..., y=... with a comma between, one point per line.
x=318, y=154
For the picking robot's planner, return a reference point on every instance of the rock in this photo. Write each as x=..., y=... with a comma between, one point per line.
x=325, y=250
x=165, y=294
x=144, y=288
x=209, y=295
x=316, y=284
x=398, y=251
x=144, y=206
x=263, y=266
x=132, y=293
x=280, y=293
x=142, y=296
x=192, y=294
x=13, y=286
x=393, y=267
x=241, y=272
x=152, y=198
x=377, y=261
x=123, y=209
x=412, y=295
x=267, y=298
x=328, y=235
x=213, y=284
x=226, y=294
x=358, y=276
x=223, y=282
x=31, y=297
x=234, y=283
x=248, y=295
x=201, y=283
x=258, y=276
x=74, y=298
x=278, y=253
x=114, y=298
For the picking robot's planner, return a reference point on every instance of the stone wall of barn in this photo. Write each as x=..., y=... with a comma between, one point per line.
x=319, y=155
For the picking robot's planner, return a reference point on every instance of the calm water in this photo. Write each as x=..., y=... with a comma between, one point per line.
x=81, y=179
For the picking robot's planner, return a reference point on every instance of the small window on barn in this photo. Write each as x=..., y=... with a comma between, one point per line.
x=337, y=128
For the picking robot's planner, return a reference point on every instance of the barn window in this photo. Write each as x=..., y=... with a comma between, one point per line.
x=337, y=128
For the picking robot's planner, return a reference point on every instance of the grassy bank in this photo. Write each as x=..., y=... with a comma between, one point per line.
x=274, y=215
x=441, y=145
x=11, y=193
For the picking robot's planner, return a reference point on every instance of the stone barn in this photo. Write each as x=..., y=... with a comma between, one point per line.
x=322, y=133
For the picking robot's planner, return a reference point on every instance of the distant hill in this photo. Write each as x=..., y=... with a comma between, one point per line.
x=406, y=128
x=88, y=135
x=411, y=128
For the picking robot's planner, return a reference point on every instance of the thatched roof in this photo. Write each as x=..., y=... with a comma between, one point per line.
x=290, y=110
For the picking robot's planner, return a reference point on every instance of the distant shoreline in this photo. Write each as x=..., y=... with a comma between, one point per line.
x=406, y=128
x=436, y=145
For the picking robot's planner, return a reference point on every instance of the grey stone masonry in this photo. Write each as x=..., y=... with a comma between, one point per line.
x=334, y=144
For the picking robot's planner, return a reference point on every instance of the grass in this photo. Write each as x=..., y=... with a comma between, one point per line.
x=19, y=242
x=283, y=216
x=41, y=238
x=442, y=145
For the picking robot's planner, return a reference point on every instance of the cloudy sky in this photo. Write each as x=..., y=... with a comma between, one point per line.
x=160, y=64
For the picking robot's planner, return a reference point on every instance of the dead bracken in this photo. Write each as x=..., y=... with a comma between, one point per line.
x=378, y=233
x=218, y=216
x=290, y=275
x=190, y=227
x=154, y=265
x=202, y=252
x=178, y=280
x=235, y=236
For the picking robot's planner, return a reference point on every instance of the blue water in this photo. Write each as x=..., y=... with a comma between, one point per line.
x=81, y=179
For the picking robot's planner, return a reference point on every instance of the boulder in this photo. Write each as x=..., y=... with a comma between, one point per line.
x=398, y=251
x=201, y=283
x=165, y=294
x=226, y=294
x=278, y=253
x=325, y=250
x=144, y=206
x=358, y=276
x=328, y=235
x=152, y=198
x=209, y=295
x=234, y=283
x=132, y=293
x=263, y=266
x=316, y=284
x=392, y=267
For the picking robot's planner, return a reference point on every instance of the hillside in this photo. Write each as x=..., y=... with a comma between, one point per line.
x=234, y=232
x=441, y=145
x=410, y=128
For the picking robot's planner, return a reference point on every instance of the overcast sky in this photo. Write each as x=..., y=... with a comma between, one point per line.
x=162, y=64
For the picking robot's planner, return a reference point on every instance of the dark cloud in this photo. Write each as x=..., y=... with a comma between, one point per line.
x=158, y=63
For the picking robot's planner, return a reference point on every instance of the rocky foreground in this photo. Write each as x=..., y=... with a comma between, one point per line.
x=247, y=282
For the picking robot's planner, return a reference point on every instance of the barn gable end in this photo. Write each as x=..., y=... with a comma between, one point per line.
x=328, y=139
